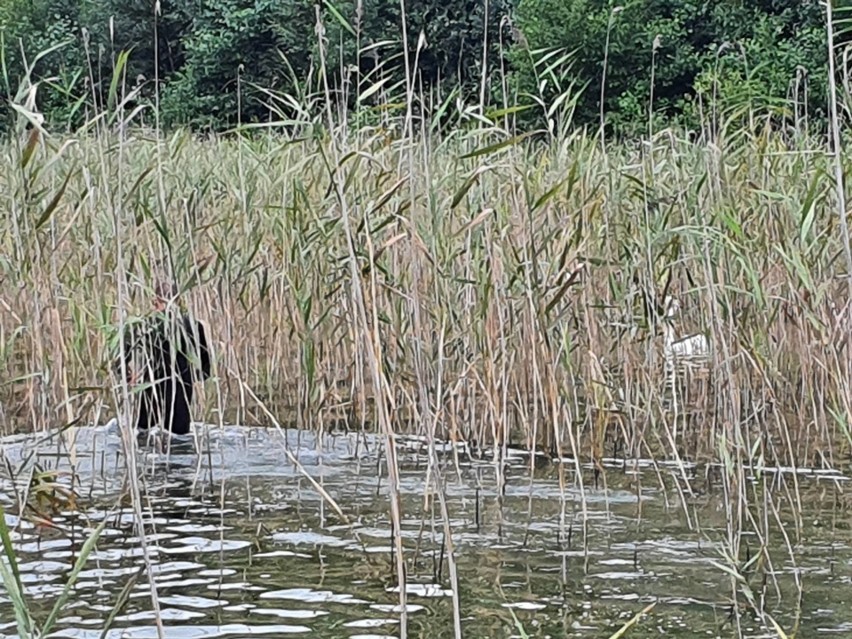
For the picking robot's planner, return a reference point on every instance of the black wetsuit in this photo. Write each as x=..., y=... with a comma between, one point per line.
x=165, y=373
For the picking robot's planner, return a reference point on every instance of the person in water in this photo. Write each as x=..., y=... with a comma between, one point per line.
x=165, y=354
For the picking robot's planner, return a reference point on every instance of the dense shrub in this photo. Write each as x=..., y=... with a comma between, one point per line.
x=48, y=27
x=215, y=58
x=743, y=53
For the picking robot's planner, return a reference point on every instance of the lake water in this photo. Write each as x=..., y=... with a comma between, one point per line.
x=242, y=544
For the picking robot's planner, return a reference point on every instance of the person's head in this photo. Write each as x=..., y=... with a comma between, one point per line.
x=165, y=292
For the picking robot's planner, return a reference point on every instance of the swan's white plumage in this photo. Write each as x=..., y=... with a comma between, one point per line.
x=684, y=351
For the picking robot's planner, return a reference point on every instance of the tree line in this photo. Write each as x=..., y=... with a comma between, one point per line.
x=211, y=64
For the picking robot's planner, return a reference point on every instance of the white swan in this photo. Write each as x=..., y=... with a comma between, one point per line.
x=689, y=351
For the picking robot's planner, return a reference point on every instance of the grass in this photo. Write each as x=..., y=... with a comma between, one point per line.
x=511, y=292
x=536, y=274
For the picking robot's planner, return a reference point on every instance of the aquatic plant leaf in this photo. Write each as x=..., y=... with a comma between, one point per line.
x=138, y=182
x=502, y=112
x=339, y=17
x=85, y=551
x=120, y=63
x=497, y=146
x=29, y=148
x=11, y=578
x=809, y=208
x=54, y=202
x=468, y=183
x=443, y=108
x=387, y=195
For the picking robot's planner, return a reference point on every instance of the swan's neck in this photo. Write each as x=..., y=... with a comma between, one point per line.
x=668, y=336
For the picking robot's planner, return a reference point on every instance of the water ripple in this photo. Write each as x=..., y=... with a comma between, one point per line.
x=248, y=540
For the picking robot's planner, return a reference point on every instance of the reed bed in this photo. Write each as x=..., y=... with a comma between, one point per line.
x=477, y=287
x=513, y=290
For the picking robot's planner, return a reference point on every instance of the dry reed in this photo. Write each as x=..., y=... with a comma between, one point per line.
x=537, y=280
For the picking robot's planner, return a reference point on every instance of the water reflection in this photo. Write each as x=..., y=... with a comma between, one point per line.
x=241, y=544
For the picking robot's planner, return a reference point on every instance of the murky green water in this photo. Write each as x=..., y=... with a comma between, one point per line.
x=241, y=544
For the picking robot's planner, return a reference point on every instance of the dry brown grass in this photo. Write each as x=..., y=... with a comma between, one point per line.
x=533, y=270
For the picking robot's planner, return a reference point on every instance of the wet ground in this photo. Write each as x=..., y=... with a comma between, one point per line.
x=240, y=543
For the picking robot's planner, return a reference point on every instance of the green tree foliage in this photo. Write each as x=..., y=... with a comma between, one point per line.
x=234, y=44
x=48, y=27
x=232, y=47
x=156, y=42
x=216, y=61
x=737, y=53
